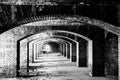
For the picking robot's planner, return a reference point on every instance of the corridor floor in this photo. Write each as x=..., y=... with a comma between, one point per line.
x=53, y=66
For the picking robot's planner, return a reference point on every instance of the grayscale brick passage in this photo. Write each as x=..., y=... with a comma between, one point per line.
x=59, y=40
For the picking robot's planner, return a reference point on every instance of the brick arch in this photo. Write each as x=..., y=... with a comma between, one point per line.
x=77, y=20
x=85, y=38
x=43, y=43
x=35, y=41
x=58, y=41
x=68, y=19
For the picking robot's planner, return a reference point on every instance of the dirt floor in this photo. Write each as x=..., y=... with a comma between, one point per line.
x=56, y=67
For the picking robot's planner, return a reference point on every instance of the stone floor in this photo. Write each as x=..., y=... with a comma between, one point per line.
x=56, y=67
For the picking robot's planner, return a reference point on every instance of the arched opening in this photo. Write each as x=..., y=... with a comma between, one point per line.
x=94, y=29
x=50, y=47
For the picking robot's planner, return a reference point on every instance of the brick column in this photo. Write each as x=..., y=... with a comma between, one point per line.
x=68, y=56
x=61, y=49
x=66, y=50
x=90, y=56
x=77, y=55
x=71, y=51
x=74, y=52
x=63, y=52
x=118, y=57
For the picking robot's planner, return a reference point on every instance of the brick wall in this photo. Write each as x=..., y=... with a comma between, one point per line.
x=8, y=50
x=111, y=55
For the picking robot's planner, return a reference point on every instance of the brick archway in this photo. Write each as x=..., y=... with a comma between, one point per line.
x=103, y=29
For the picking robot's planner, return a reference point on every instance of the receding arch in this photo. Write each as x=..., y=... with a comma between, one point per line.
x=30, y=42
x=50, y=40
x=74, y=21
x=112, y=31
x=42, y=42
x=70, y=33
x=88, y=62
x=63, y=38
x=63, y=31
x=33, y=40
x=59, y=41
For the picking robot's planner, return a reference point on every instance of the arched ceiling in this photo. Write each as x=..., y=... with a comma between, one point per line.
x=64, y=20
x=56, y=34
